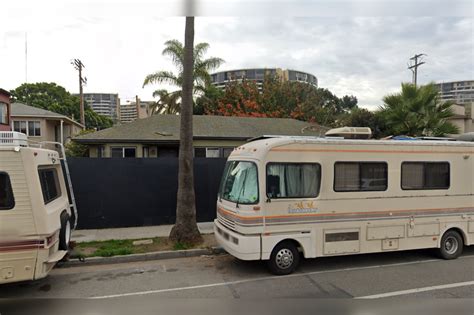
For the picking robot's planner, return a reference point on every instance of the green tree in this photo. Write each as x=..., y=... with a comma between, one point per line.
x=418, y=111
x=185, y=229
x=55, y=98
x=202, y=66
x=75, y=149
x=361, y=117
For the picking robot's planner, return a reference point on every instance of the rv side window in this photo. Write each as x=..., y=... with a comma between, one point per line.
x=7, y=201
x=360, y=176
x=425, y=175
x=49, y=184
x=293, y=180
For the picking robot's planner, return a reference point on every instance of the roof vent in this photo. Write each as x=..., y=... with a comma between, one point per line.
x=350, y=132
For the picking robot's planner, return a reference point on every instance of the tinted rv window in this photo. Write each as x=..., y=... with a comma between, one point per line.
x=293, y=180
x=425, y=175
x=49, y=184
x=360, y=176
x=7, y=201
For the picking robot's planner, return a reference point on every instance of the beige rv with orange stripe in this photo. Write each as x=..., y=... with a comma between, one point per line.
x=35, y=214
x=285, y=197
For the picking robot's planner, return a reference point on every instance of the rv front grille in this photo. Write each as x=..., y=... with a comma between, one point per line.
x=226, y=222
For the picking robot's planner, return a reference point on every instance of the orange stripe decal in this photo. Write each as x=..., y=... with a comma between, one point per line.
x=388, y=212
x=370, y=151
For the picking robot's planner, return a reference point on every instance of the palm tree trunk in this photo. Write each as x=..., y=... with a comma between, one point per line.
x=185, y=229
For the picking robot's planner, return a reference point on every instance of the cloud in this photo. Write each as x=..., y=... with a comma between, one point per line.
x=361, y=55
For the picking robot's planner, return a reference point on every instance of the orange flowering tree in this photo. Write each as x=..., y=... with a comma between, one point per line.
x=276, y=99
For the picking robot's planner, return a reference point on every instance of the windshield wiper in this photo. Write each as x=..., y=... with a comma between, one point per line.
x=241, y=190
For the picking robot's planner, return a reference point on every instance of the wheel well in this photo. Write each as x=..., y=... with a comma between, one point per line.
x=458, y=230
x=297, y=244
x=64, y=213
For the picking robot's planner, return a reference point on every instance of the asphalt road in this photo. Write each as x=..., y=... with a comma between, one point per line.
x=390, y=275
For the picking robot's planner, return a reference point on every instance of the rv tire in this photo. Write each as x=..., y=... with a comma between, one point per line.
x=451, y=245
x=284, y=258
x=65, y=232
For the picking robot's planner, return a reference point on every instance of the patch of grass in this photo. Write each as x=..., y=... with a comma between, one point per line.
x=106, y=248
x=180, y=246
x=125, y=247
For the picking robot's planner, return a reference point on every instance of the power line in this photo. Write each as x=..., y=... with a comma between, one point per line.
x=416, y=61
x=77, y=63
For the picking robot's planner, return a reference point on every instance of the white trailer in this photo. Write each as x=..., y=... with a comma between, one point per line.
x=36, y=216
x=286, y=197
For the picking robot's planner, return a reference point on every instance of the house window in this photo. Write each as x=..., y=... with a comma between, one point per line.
x=360, y=176
x=49, y=184
x=425, y=175
x=29, y=128
x=20, y=126
x=3, y=113
x=7, y=201
x=34, y=129
x=213, y=152
x=199, y=152
x=293, y=180
x=123, y=152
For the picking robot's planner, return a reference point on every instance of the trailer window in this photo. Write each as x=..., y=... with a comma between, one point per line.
x=360, y=176
x=425, y=175
x=240, y=182
x=7, y=201
x=293, y=180
x=49, y=184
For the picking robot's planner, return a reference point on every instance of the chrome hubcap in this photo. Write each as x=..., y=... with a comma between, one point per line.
x=451, y=245
x=284, y=258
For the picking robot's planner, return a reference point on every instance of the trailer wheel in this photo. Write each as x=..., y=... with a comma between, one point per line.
x=284, y=258
x=451, y=245
x=65, y=232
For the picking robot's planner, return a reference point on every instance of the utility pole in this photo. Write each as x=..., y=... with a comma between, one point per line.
x=413, y=66
x=82, y=81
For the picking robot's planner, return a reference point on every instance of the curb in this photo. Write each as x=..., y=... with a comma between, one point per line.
x=141, y=257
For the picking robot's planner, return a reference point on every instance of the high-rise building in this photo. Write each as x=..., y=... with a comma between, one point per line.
x=106, y=104
x=220, y=79
x=130, y=112
x=460, y=92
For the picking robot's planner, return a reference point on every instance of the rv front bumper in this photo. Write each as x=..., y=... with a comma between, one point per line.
x=241, y=246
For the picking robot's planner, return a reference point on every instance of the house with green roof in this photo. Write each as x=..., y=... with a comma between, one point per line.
x=214, y=136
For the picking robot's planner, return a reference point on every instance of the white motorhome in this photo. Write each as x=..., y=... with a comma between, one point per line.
x=289, y=196
x=36, y=216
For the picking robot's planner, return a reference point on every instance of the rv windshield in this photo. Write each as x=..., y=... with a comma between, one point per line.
x=240, y=183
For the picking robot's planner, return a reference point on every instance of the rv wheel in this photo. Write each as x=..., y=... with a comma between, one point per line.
x=451, y=245
x=284, y=259
x=65, y=232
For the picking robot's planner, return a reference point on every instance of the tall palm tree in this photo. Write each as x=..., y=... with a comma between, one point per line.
x=168, y=102
x=185, y=229
x=418, y=111
x=175, y=50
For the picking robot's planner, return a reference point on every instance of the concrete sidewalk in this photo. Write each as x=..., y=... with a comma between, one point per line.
x=131, y=232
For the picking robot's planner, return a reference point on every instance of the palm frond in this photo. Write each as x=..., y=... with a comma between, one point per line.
x=162, y=77
x=175, y=50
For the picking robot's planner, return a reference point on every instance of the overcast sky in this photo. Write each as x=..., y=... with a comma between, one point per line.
x=360, y=54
